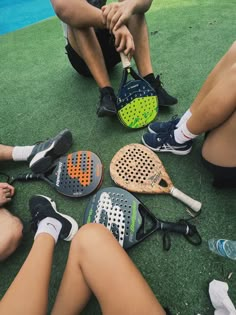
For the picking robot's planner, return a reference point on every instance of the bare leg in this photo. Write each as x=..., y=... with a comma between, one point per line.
x=138, y=28
x=219, y=147
x=10, y=233
x=28, y=294
x=215, y=76
x=85, y=43
x=5, y=152
x=98, y=264
x=218, y=105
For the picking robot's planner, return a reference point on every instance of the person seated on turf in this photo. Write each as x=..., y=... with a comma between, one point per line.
x=96, y=264
x=213, y=112
x=40, y=158
x=89, y=30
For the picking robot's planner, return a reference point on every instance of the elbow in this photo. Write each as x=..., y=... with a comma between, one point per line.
x=61, y=9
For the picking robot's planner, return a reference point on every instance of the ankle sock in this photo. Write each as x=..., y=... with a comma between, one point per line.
x=182, y=134
x=21, y=153
x=51, y=226
x=184, y=118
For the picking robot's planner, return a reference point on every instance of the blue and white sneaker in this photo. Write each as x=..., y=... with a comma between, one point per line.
x=44, y=153
x=42, y=207
x=165, y=142
x=163, y=126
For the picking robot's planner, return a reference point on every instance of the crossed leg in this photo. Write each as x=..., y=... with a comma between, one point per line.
x=96, y=263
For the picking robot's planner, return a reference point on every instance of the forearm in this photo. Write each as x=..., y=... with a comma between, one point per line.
x=78, y=13
x=139, y=6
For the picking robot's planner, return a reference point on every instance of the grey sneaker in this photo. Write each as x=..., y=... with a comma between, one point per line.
x=44, y=153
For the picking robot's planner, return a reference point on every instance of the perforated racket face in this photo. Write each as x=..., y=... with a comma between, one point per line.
x=136, y=168
x=116, y=209
x=137, y=104
x=77, y=174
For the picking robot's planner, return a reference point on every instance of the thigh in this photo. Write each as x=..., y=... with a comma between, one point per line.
x=98, y=263
x=10, y=233
x=219, y=146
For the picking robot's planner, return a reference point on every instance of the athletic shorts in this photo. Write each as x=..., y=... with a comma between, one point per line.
x=224, y=177
x=111, y=56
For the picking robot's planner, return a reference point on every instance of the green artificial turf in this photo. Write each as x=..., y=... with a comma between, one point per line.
x=41, y=94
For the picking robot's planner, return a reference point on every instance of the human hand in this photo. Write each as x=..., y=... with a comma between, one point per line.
x=117, y=14
x=6, y=193
x=124, y=41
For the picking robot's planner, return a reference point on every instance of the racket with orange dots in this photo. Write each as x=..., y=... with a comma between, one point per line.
x=77, y=174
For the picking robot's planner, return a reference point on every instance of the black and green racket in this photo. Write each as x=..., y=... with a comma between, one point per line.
x=137, y=103
x=77, y=174
x=129, y=219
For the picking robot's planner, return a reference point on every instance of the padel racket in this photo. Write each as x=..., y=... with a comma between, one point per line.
x=138, y=169
x=137, y=103
x=128, y=218
x=75, y=175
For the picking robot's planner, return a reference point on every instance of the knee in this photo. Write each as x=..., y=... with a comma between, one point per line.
x=10, y=234
x=61, y=8
x=90, y=236
x=233, y=48
x=232, y=72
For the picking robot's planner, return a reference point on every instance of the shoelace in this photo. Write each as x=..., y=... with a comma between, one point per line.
x=167, y=134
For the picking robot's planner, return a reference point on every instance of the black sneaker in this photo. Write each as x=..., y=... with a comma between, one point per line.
x=44, y=153
x=164, y=99
x=107, y=103
x=42, y=207
x=163, y=126
x=165, y=142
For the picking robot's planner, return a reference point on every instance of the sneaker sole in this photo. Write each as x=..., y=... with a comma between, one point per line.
x=74, y=224
x=105, y=113
x=151, y=131
x=176, y=152
x=45, y=158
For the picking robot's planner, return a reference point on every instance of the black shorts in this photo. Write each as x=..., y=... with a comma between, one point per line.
x=111, y=56
x=224, y=177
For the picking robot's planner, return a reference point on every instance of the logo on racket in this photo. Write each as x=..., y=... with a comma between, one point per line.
x=58, y=180
x=112, y=215
x=76, y=172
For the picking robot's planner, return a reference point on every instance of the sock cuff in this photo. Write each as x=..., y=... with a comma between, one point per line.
x=184, y=118
x=185, y=131
x=51, y=226
x=21, y=153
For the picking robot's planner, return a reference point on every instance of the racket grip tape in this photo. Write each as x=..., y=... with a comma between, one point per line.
x=179, y=228
x=125, y=60
x=192, y=203
x=27, y=176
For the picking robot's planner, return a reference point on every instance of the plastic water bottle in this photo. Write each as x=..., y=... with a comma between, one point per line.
x=225, y=248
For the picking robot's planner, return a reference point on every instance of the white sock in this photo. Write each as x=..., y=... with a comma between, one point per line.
x=182, y=134
x=21, y=153
x=184, y=118
x=51, y=226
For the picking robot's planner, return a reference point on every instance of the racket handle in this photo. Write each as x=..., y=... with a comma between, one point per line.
x=179, y=228
x=28, y=176
x=192, y=203
x=189, y=231
x=125, y=60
